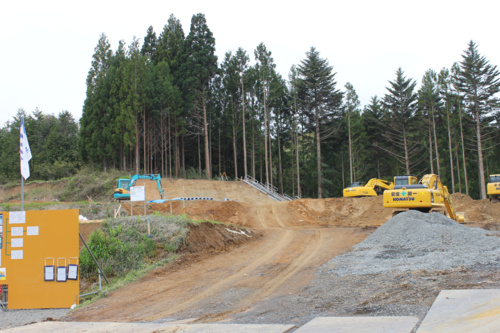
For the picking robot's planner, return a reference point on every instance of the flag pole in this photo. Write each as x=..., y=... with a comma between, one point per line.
x=22, y=193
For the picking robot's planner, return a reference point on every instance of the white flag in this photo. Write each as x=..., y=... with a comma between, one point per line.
x=24, y=151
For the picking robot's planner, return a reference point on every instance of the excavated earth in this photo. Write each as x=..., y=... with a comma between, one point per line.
x=282, y=271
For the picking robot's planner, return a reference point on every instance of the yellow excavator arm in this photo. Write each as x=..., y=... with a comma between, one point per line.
x=372, y=188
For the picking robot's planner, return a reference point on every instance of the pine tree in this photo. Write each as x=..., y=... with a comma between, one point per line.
x=401, y=103
x=479, y=82
x=199, y=67
x=320, y=101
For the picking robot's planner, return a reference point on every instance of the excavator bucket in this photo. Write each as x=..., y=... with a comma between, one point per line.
x=461, y=217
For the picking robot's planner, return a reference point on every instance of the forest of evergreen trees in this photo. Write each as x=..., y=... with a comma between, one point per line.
x=168, y=105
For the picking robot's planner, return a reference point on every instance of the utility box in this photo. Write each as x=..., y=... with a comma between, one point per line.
x=39, y=258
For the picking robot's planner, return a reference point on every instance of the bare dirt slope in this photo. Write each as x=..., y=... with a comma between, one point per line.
x=218, y=190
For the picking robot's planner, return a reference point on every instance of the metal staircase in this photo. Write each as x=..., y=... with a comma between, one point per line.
x=269, y=189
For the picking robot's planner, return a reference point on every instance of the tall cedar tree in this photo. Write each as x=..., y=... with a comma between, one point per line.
x=265, y=68
x=401, y=104
x=242, y=60
x=169, y=50
x=429, y=102
x=479, y=82
x=92, y=123
x=199, y=67
x=319, y=99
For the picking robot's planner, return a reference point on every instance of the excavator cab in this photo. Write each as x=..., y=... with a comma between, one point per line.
x=493, y=188
x=405, y=181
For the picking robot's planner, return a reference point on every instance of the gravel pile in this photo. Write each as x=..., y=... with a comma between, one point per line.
x=413, y=240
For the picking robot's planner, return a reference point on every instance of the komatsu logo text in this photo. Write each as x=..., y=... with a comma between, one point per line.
x=404, y=199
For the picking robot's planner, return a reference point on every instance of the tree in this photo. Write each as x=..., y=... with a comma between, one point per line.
x=150, y=45
x=320, y=100
x=265, y=67
x=351, y=105
x=479, y=82
x=242, y=60
x=200, y=66
x=429, y=102
x=95, y=107
x=401, y=103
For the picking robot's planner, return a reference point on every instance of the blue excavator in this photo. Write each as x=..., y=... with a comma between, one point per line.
x=122, y=192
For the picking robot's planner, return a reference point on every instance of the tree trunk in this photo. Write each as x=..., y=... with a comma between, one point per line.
x=265, y=137
x=463, y=150
x=137, y=144
x=205, y=135
x=431, y=158
x=199, y=156
x=253, y=138
x=220, y=164
x=350, y=144
x=163, y=144
x=144, y=138
x=482, y=184
x=407, y=159
x=458, y=166
x=270, y=151
x=451, y=151
x=244, y=132
x=280, y=169
x=318, y=153
x=435, y=142
x=297, y=149
x=234, y=143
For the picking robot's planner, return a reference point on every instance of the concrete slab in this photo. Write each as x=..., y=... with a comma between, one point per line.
x=359, y=325
x=108, y=327
x=469, y=310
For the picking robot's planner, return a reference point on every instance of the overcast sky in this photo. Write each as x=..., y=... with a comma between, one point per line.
x=48, y=45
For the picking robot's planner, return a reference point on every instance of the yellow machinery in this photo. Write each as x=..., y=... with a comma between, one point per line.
x=373, y=188
x=494, y=188
x=428, y=195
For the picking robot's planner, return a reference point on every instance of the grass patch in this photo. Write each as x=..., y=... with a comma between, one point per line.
x=123, y=245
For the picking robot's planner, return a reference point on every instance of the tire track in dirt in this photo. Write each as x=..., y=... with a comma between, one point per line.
x=308, y=252
x=276, y=216
x=261, y=218
x=232, y=279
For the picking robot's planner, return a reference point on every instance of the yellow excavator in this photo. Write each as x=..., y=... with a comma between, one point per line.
x=373, y=188
x=427, y=195
x=494, y=188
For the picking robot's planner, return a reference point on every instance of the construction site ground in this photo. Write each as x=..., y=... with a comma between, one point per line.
x=267, y=275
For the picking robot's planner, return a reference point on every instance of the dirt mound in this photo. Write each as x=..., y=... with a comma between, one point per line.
x=218, y=190
x=346, y=212
x=481, y=213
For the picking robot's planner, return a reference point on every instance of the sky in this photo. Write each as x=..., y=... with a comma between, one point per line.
x=48, y=45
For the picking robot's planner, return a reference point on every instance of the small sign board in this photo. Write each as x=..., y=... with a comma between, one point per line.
x=137, y=193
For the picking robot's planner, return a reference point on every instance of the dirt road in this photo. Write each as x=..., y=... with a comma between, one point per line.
x=280, y=262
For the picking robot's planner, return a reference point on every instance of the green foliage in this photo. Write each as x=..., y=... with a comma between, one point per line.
x=123, y=245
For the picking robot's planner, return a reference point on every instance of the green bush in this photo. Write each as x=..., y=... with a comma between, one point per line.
x=122, y=245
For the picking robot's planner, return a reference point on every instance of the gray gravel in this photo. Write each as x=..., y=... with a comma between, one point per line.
x=15, y=318
x=413, y=240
